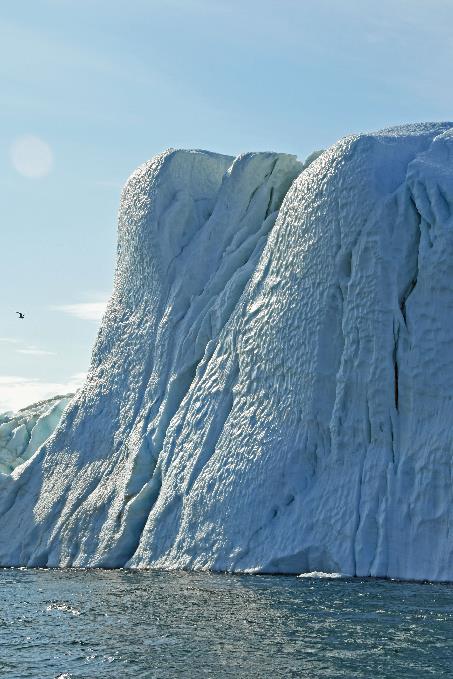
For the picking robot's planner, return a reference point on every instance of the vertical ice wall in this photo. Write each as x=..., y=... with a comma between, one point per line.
x=192, y=227
x=267, y=395
x=333, y=454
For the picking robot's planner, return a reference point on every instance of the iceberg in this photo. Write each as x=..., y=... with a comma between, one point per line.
x=270, y=389
x=22, y=433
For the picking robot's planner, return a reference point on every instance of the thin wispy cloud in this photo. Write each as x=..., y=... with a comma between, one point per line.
x=203, y=6
x=18, y=392
x=86, y=311
x=19, y=347
x=35, y=351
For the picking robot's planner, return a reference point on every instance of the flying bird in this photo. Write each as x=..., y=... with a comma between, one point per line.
x=21, y=315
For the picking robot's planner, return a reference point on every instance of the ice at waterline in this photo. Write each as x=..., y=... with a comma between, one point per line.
x=271, y=388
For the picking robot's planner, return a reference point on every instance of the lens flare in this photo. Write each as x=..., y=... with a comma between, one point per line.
x=31, y=157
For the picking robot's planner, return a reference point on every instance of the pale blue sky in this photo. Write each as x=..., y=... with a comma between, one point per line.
x=106, y=84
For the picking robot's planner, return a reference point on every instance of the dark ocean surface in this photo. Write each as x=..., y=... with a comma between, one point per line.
x=119, y=624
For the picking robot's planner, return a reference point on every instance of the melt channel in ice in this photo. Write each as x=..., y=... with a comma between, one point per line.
x=271, y=387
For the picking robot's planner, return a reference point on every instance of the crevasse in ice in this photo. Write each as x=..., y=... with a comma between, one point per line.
x=271, y=388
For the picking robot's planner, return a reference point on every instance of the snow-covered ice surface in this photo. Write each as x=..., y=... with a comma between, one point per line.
x=272, y=384
x=22, y=432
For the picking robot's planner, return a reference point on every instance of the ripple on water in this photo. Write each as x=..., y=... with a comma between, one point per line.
x=80, y=624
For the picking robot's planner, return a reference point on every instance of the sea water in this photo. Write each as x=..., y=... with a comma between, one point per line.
x=118, y=624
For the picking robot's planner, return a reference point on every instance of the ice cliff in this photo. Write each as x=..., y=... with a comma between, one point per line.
x=272, y=384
